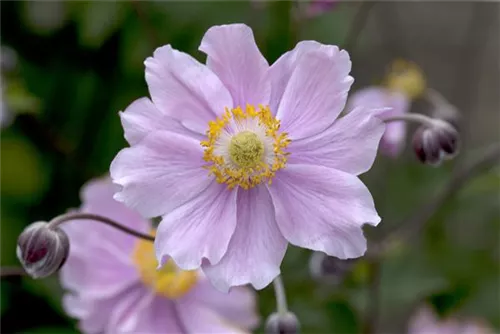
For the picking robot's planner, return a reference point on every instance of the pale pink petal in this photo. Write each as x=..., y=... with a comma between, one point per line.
x=236, y=59
x=198, y=318
x=257, y=247
x=323, y=209
x=199, y=229
x=94, y=312
x=159, y=316
x=239, y=306
x=142, y=117
x=282, y=69
x=160, y=173
x=349, y=145
x=315, y=94
x=385, y=103
x=97, y=198
x=183, y=88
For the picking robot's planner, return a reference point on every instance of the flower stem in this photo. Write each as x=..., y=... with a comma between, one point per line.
x=413, y=117
x=88, y=216
x=279, y=292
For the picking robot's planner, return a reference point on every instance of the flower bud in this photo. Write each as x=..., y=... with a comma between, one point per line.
x=329, y=269
x=282, y=324
x=42, y=250
x=447, y=137
x=427, y=146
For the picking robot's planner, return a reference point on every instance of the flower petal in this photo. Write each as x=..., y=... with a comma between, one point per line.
x=157, y=317
x=323, y=209
x=349, y=145
x=95, y=312
x=236, y=59
x=384, y=103
x=257, y=247
x=142, y=117
x=282, y=69
x=201, y=228
x=197, y=318
x=238, y=306
x=315, y=94
x=160, y=173
x=183, y=88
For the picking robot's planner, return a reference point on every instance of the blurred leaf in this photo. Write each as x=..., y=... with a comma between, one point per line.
x=22, y=172
x=44, y=17
x=406, y=279
x=19, y=100
x=342, y=317
x=98, y=20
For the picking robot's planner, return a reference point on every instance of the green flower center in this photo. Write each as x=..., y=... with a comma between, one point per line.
x=246, y=149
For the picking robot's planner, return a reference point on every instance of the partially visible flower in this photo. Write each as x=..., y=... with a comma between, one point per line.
x=318, y=7
x=404, y=82
x=385, y=103
x=406, y=77
x=42, y=250
x=241, y=158
x=114, y=286
x=425, y=321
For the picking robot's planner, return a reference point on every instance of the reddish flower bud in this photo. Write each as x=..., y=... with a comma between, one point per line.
x=426, y=145
x=42, y=250
x=447, y=136
x=282, y=324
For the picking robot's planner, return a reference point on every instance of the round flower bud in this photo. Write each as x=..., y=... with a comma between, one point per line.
x=426, y=145
x=42, y=250
x=329, y=269
x=447, y=137
x=282, y=324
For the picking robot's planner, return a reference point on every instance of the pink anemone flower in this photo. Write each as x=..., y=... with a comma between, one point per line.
x=240, y=158
x=114, y=287
x=385, y=103
x=425, y=321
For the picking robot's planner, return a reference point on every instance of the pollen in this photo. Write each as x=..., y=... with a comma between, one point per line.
x=245, y=147
x=169, y=281
x=407, y=78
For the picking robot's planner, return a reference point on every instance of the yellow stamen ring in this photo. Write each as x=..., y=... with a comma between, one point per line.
x=169, y=281
x=247, y=167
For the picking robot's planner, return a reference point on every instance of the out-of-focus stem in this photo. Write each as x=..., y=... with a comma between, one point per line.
x=357, y=25
x=279, y=292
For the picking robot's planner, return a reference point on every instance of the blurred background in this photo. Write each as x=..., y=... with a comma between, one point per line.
x=69, y=67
